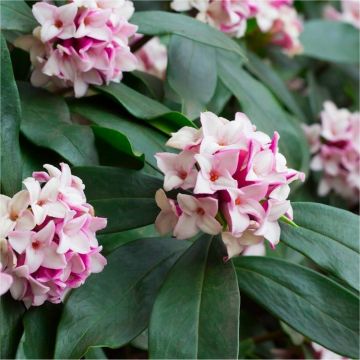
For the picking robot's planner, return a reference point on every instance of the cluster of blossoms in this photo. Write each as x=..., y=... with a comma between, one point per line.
x=336, y=148
x=238, y=179
x=47, y=238
x=350, y=12
x=83, y=42
x=152, y=58
x=276, y=17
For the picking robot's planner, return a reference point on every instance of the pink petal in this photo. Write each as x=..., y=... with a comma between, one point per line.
x=20, y=240
x=44, y=12
x=52, y=259
x=209, y=225
x=186, y=227
x=6, y=281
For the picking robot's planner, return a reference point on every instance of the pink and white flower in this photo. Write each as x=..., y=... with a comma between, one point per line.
x=239, y=184
x=336, y=152
x=350, y=12
x=48, y=237
x=81, y=43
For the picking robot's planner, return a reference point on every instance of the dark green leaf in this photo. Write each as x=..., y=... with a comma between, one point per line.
x=92, y=319
x=118, y=194
x=10, y=157
x=46, y=123
x=192, y=73
x=95, y=353
x=309, y=302
x=331, y=40
x=196, y=314
x=16, y=15
x=11, y=312
x=160, y=22
x=259, y=104
x=329, y=236
x=145, y=108
x=40, y=324
x=143, y=138
x=268, y=76
x=221, y=96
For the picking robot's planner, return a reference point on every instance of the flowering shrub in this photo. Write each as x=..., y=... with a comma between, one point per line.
x=239, y=179
x=206, y=203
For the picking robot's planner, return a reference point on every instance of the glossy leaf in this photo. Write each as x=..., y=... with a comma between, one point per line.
x=260, y=106
x=192, y=73
x=46, y=122
x=118, y=194
x=142, y=138
x=331, y=40
x=310, y=303
x=11, y=312
x=10, y=118
x=40, y=324
x=196, y=314
x=332, y=244
x=268, y=76
x=145, y=108
x=92, y=319
x=17, y=15
x=160, y=22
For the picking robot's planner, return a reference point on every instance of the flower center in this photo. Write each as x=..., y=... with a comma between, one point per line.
x=36, y=245
x=182, y=175
x=200, y=211
x=59, y=24
x=214, y=175
x=237, y=201
x=13, y=216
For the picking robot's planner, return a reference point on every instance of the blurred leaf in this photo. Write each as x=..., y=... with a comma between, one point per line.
x=11, y=312
x=16, y=15
x=268, y=76
x=312, y=304
x=10, y=157
x=331, y=40
x=142, y=138
x=118, y=194
x=191, y=73
x=220, y=98
x=95, y=353
x=92, y=319
x=317, y=96
x=333, y=245
x=40, y=324
x=141, y=341
x=263, y=110
x=161, y=22
x=145, y=108
x=246, y=347
x=196, y=314
x=46, y=122
x=152, y=84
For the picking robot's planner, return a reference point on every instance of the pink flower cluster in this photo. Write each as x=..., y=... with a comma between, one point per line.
x=336, y=148
x=48, y=238
x=350, y=12
x=236, y=183
x=80, y=43
x=152, y=58
x=276, y=17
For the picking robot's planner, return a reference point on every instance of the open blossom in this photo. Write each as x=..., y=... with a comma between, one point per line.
x=335, y=144
x=276, y=17
x=236, y=184
x=81, y=43
x=350, y=12
x=48, y=238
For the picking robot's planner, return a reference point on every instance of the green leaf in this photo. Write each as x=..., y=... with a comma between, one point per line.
x=160, y=22
x=310, y=303
x=46, y=122
x=328, y=236
x=263, y=110
x=144, y=108
x=221, y=96
x=196, y=314
x=118, y=141
x=268, y=76
x=11, y=312
x=95, y=353
x=118, y=194
x=92, y=319
x=142, y=138
x=192, y=73
x=40, y=324
x=10, y=118
x=16, y=15
x=331, y=40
